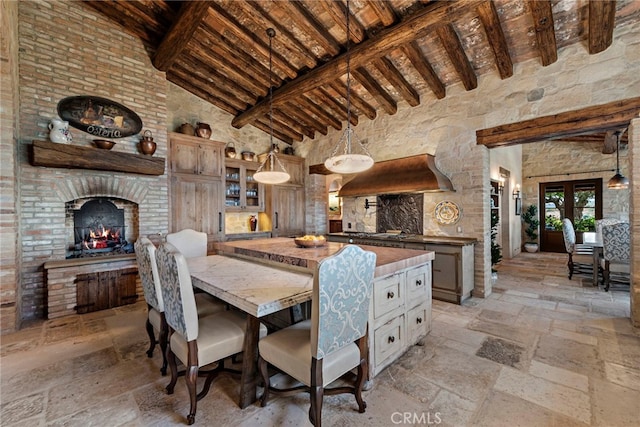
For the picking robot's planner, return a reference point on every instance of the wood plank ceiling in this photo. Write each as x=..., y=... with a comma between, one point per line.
x=399, y=50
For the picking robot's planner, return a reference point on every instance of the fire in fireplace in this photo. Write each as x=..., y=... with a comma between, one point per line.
x=99, y=229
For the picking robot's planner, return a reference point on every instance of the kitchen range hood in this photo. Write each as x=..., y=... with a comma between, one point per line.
x=415, y=174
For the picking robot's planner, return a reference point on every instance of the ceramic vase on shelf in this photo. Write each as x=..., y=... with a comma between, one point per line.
x=253, y=222
x=146, y=145
x=203, y=130
x=59, y=131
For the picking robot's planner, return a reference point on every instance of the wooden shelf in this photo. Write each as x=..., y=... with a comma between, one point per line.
x=68, y=156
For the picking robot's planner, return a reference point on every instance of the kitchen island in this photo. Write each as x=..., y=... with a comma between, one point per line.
x=400, y=312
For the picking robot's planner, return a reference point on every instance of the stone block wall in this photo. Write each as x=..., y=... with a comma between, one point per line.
x=66, y=50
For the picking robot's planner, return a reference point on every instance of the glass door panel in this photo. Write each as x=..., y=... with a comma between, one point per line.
x=553, y=212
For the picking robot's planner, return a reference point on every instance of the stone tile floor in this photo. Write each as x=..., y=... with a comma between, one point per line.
x=540, y=351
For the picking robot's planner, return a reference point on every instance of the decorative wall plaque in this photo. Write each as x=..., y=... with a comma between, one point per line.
x=447, y=213
x=99, y=116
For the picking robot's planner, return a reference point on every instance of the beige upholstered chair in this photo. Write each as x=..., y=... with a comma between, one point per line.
x=148, y=271
x=616, y=251
x=195, y=340
x=580, y=256
x=318, y=351
x=189, y=242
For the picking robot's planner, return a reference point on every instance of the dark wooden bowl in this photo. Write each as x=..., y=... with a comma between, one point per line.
x=105, y=144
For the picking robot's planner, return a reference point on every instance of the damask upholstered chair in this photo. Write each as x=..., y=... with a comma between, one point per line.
x=195, y=340
x=146, y=257
x=616, y=251
x=603, y=222
x=150, y=279
x=189, y=242
x=322, y=349
x=580, y=256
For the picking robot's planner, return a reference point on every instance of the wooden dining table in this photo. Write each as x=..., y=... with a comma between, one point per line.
x=594, y=241
x=256, y=289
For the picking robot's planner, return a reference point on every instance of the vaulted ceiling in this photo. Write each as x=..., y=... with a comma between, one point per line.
x=399, y=51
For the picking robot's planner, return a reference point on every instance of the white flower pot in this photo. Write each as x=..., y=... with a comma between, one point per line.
x=531, y=247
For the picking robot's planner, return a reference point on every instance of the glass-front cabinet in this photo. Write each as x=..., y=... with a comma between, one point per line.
x=242, y=192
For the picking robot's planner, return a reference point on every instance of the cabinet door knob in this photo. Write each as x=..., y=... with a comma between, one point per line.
x=391, y=339
x=419, y=320
x=390, y=295
x=418, y=282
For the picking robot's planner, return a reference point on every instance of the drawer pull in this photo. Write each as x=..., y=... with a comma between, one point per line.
x=390, y=295
x=391, y=339
x=418, y=282
x=419, y=320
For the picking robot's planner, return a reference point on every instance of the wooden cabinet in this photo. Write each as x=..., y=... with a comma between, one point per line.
x=452, y=270
x=285, y=203
x=400, y=314
x=197, y=196
x=105, y=289
x=242, y=192
x=196, y=156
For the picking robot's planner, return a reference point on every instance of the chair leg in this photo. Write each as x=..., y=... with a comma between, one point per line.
x=316, y=393
x=152, y=338
x=363, y=369
x=191, y=376
x=173, y=368
x=262, y=365
x=163, y=337
x=606, y=276
x=570, y=266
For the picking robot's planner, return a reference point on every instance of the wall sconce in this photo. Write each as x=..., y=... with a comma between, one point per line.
x=516, y=192
x=501, y=185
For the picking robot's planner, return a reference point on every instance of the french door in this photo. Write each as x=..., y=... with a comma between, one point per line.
x=580, y=201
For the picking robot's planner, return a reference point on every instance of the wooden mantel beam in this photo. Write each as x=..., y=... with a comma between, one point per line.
x=418, y=25
x=614, y=115
x=182, y=29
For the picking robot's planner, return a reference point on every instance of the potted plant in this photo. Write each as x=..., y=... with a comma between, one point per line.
x=496, y=249
x=530, y=218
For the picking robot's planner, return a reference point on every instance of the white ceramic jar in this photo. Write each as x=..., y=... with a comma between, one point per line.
x=59, y=131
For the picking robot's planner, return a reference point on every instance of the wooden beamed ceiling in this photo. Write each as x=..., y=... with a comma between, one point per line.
x=398, y=51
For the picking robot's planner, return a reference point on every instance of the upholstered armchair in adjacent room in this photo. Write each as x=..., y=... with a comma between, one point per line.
x=318, y=351
x=616, y=251
x=580, y=256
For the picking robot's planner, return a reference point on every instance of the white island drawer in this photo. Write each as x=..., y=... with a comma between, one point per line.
x=388, y=294
x=388, y=340
x=418, y=284
x=418, y=323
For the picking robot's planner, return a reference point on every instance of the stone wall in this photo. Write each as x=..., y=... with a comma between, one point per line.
x=9, y=276
x=66, y=49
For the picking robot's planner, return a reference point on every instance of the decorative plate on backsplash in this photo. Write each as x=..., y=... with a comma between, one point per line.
x=447, y=213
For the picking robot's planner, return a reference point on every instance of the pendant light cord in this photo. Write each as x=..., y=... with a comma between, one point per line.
x=348, y=147
x=271, y=33
x=618, y=152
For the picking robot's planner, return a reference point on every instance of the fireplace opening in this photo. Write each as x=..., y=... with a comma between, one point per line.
x=99, y=229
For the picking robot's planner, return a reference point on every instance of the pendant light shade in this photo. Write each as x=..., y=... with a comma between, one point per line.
x=267, y=173
x=349, y=162
x=618, y=182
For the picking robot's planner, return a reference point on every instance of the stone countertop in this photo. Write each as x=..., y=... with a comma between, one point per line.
x=283, y=250
x=439, y=240
x=255, y=288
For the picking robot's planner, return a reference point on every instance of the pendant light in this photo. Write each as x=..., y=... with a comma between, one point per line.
x=270, y=175
x=618, y=182
x=348, y=162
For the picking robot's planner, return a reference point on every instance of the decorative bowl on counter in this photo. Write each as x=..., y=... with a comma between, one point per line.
x=105, y=144
x=310, y=241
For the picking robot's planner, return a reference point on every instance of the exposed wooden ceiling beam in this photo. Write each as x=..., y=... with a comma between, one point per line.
x=383, y=11
x=222, y=20
x=181, y=31
x=602, y=14
x=201, y=93
x=497, y=41
x=545, y=33
x=356, y=101
x=282, y=116
x=298, y=113
x=414, y=27
x=291, y=43
x=337, y=107
x=316, y=109
x=613, y=115
x=282, y=134
x=302, y=18
x=423, y=67
x=397, y=80
x=338, y=12
x=377, y=91
x=454, y=49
